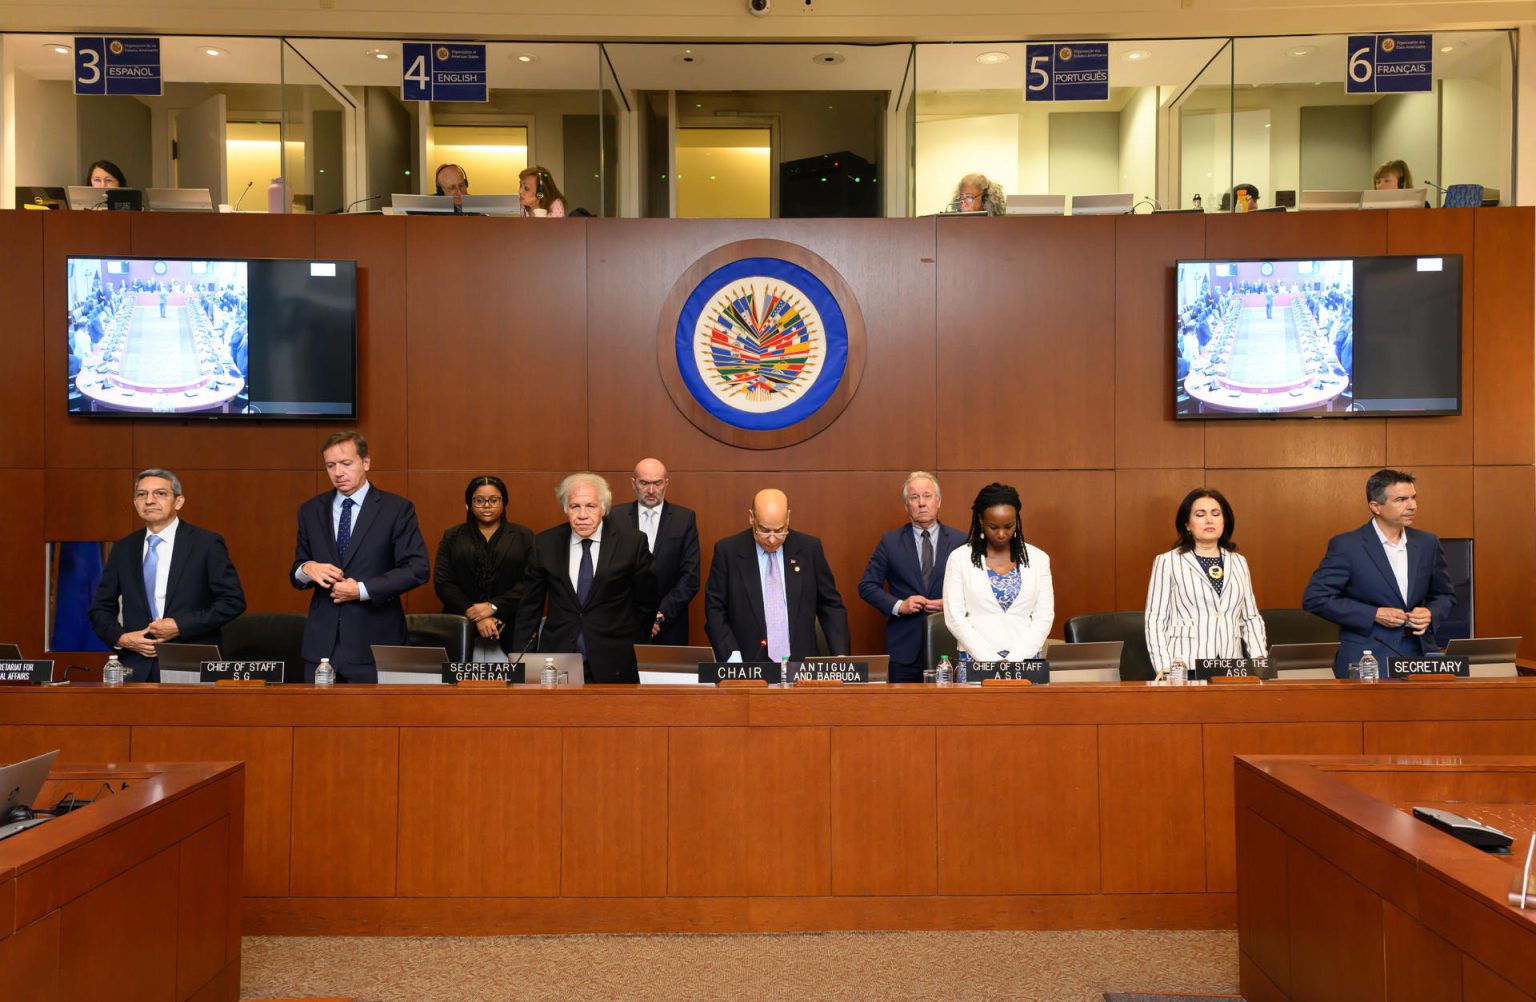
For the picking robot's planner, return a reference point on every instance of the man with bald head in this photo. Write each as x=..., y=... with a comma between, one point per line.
x=672, y=534
x=768, y=587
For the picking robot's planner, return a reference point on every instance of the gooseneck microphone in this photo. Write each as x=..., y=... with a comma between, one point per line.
x=360, y=201
x=524, y=652
x=244, y=193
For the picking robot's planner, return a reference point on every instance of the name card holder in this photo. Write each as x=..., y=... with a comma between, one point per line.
x=240, y=683
x=1035, y=670
x=842, y=671
x=483, y=674
x=817, y=682
x=1232, y=669
x=241, y=674
x=26, y=672
x=1234, y=680
x=742, y=683
x=1006, y=683
x=1430, y=668
x=720, y=672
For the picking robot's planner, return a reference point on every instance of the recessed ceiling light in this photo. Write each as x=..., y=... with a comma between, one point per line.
x=827, y=58
x=1301, y=50
x=211, y=51
x=1136, y=55
x=527, y=57
x=57, y=49
x=1447, y=48
x=992, y=58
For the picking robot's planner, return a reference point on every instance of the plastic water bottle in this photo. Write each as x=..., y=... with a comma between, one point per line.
x=549, y=678
x=112, y=674
x=325, y=672
x=277, y=196
x=960, y=673
x=1370, y=671
x=784, y=678
x=1178, y=672
x=943, y=673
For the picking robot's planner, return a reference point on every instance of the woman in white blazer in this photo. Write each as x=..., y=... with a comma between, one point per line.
x=1200, y=600
x=998, y=601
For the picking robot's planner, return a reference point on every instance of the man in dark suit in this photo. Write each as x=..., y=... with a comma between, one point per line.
x=905, y=577
x=1385, y=584
x=593, y=581
x=767, y=589
x=360, y=549
x=672, y=534
x=167, y=581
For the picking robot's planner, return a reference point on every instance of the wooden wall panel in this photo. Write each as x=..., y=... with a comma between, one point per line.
x=348, y=781
x=467, y=839
x=22, y=554
x=884, y=822
x=1461, y=737
x=256, y=511
x=1146, y=502
x=31, y=956
x=203, y=907
x=1503, y=381
x=636, y=263
x=614, y=790
x=1505, y=553
x=127, y=922
x=496, y=344
x=1332, y=958
x=76, y=743
x=23, y=338
x=1263, y=916
x=1144, y=770
x=1147, y=251
x=1025, y=344
x=1419, y=964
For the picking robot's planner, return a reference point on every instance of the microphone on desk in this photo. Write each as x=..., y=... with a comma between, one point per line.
x=360, y=201
x=244, y=193
x=523, y=653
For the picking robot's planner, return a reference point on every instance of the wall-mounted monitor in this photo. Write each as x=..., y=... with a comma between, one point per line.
x=230, y=339
x=1321, y=337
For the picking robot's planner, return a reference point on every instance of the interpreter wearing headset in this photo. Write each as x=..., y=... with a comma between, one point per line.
x=537, y=191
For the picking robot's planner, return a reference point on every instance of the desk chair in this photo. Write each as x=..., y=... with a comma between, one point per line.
x=1094, y=627
x=1297, y=626
x=938, y=641
x=267, y=636
x=453, y=633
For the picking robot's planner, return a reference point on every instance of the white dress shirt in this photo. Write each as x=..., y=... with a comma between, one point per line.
x=650, y=520
x=163, y=558
x=575, y=561
x=1397, y=557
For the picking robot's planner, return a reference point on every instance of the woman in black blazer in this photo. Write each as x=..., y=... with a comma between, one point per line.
x=479, y=571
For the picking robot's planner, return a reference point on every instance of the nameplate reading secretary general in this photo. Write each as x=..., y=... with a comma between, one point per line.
x=360, y=549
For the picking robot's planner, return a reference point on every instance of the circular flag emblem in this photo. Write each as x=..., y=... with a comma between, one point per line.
x=442, y=53
x=115, y=47
x=1387, y=45
x=1066, y=53
x=760, y=348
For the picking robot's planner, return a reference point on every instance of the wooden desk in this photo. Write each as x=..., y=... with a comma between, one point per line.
x=411, y=809
x=1343, y=895
x=136, y=896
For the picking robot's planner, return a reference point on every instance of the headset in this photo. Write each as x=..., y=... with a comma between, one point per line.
x=464, y=173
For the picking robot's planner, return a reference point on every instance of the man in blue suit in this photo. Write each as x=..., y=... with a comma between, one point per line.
x=1385, y=584
x=360, y=549
x=905, y=577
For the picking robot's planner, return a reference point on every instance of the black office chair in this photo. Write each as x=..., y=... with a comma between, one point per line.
x=1297, y=626
x=267, y=636
x=938, y=641
x=441, y=629
x=1130, y=627
x=823, y=649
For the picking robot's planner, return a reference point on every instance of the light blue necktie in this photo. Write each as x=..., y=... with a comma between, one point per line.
x=775, y=615
x=151, y=567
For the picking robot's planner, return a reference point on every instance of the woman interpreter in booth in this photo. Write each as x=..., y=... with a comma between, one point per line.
x=537, y=192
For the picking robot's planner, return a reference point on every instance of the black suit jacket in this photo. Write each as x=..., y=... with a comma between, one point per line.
x=202, y=593
x=619, y=609
x=677, y=565
x=893, y=573
x=386, y=554
x=733, y=599
x=470, y=570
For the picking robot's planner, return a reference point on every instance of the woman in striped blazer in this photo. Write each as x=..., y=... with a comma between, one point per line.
x=1200, y=600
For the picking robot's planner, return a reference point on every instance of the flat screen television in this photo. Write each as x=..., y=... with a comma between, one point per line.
x=1319, y=337
x=250, y=339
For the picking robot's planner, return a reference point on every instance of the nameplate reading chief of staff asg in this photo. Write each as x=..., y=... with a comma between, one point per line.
x=360, y=549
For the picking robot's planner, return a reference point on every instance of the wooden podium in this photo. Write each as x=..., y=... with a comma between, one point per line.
x=136, y=896
x=1343, y=894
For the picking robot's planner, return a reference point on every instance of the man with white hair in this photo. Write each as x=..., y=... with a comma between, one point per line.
x=593, y=581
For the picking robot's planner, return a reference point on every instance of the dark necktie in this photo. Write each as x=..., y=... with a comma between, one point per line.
x=344, y=531
x=926, y=558
x=584, y=573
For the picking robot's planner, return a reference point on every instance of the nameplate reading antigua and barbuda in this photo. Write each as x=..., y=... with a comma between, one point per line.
x=443, y=71
x=455, y=672
x=270, y=672
x=831, y=671
x=117, y=66
x=1035, y=670
x=25, y=672
x=1066, y=71
x=1209, y=668
x=1434, y=667
x=715, y=672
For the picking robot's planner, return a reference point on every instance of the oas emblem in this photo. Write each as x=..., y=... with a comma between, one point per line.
x=115, y=47
x=1066, y=53
x=761, y=343
x=442, y=53
x=1387, y=45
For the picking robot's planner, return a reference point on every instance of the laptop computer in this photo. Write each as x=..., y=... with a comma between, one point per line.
x=1394, y=198
x=1292, y=662
x=20, y=784
x=879, y=664
x=181, y=664
x=663, y=664
x=571, y=664
x=40, y=197
x=1487, y=657
x=1116, y=204
x=409, y=665
x=80, y=196
x=1098, y=661
x=1036, y=205
x=178, y=199
x=1312, y=201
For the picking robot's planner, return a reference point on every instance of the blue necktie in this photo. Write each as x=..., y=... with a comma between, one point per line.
x=344, y=532
x=151, y=566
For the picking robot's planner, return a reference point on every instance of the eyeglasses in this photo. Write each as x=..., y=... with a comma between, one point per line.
x=968, y=199
x=770, y=533
x=486, y=502
x=159, y=494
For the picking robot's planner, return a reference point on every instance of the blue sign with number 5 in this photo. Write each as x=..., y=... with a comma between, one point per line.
x=1066, y=71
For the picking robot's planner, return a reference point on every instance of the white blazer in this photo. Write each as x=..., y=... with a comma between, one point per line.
x=980, y=625
x=1186, y=619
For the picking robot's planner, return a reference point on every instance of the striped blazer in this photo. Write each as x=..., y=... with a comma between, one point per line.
x=1186, y=619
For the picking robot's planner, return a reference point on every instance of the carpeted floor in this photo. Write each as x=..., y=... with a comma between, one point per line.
x=1077, y=966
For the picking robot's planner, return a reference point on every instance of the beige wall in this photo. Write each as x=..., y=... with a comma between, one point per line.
x=45, y=122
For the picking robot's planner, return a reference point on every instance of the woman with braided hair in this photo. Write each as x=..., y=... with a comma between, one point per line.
x=998, y=601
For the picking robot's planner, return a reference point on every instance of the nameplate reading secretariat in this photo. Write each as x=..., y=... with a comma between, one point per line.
x=25, y=672
x=715, y=672
x=270, y=672
x=1441, y=667
x=1036, y=671
x=455, y=672
x=1209, y=668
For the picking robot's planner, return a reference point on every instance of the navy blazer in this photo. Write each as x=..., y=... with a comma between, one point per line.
x=733, y=599
x=202, y=593
x=676, y=557
x=386, y=554
x=894, y=572
x=1354, y=580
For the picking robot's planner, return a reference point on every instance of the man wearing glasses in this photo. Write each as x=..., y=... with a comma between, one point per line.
x=767, y=589
x=167, y=581
x=672, y=535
